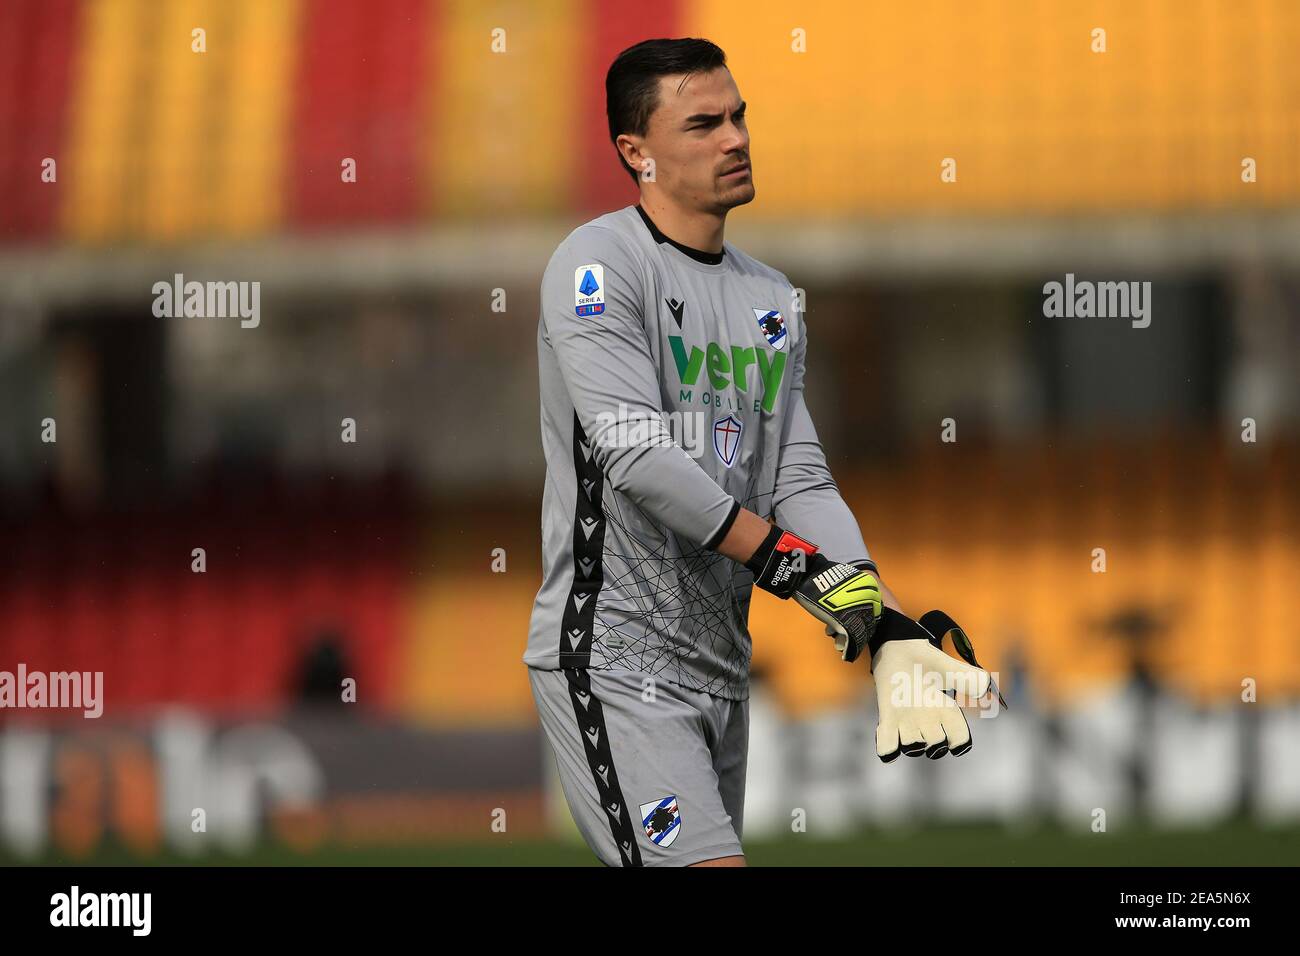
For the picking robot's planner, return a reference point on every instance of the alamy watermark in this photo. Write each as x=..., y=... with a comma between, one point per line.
x=75, y=908
x=928, y=688
x=208, y=300
x=1102, y=300
x=631, y=428
x=55, y=690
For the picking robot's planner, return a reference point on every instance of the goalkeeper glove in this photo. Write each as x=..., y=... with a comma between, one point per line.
x=844, y=597
x=916, y=687
x=914, y=678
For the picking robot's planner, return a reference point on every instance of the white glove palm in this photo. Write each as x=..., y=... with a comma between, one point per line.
x=916, y=715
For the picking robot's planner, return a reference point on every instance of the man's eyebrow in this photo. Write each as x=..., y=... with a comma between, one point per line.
x=703, y=117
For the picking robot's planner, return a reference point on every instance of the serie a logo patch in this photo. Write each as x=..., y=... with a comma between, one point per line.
x=589, y=289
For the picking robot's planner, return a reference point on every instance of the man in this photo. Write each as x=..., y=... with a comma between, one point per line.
x=639, y=647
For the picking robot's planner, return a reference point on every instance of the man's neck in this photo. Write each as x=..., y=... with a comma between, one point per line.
x=702, y=231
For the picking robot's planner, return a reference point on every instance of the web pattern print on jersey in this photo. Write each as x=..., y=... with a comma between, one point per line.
x=679, y=608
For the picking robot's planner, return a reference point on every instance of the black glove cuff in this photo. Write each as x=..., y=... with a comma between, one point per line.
x=893, y=626
x=774, y=563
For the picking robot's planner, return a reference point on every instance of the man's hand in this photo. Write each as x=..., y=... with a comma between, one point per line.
x=913, y=681
x=844, y=598
x=914, y=678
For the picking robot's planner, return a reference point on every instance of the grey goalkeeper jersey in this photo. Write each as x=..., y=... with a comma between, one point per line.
x=671, y=394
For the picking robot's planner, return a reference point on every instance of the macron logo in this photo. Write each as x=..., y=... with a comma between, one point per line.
x=833, y=576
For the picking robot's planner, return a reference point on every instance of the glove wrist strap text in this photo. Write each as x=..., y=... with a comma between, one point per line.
x=779, y=564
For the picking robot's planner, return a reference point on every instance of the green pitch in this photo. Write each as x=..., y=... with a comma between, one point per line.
x=1233, y=845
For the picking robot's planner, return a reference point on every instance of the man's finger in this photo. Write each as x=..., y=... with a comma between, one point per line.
x=887, y=744
x=966, y=680
x=936, y=740
x=957, y=730
x=910, y=737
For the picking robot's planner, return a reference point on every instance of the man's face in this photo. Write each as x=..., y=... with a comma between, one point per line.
x=699, y=142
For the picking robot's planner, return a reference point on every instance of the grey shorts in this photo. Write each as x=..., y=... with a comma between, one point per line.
x=654, y=774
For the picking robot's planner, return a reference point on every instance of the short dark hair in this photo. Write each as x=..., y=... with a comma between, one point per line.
x=632, y=83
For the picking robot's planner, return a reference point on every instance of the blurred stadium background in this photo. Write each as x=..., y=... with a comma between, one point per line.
x=407, y=301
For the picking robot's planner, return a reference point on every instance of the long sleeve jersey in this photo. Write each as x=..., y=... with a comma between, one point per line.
x=671, y=395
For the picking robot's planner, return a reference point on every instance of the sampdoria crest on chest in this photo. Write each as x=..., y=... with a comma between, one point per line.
x=772, y=325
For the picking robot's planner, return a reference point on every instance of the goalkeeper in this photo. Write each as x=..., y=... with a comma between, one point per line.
x=638, y=647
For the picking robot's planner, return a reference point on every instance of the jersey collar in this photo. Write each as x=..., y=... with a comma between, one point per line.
x=708, y=258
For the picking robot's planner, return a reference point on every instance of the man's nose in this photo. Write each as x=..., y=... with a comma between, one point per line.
x=737, y=140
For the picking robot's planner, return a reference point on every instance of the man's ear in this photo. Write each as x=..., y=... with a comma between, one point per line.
x=629, y=147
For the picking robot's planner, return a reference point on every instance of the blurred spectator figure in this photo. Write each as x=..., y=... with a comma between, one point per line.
x=1260, y=381
x=322, y=669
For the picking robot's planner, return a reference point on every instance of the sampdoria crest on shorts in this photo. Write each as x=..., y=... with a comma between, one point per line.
x=662, y=820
